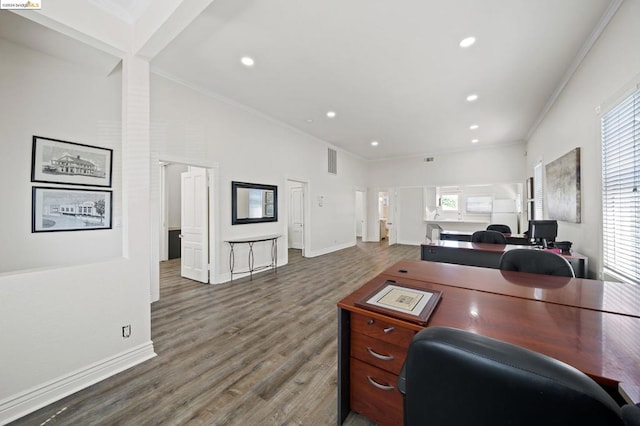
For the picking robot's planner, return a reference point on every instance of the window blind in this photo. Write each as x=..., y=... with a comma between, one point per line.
x=620, y=182
x=537, y=192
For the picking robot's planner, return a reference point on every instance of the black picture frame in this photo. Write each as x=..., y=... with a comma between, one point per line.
x=242, y=213
x=64, y=162
x=418, y=314
x=70, y=209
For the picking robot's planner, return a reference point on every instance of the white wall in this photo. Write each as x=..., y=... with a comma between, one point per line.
x=477, y=166
x=612, y=65
x=409, y=220
x=64, y=296
x=206, y=131
x=47, y=97
x=174, y=194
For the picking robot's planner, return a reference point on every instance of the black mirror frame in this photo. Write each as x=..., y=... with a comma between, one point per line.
x=234, y=203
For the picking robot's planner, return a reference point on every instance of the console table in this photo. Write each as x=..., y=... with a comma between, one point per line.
x=577, y=321
x=251, y=241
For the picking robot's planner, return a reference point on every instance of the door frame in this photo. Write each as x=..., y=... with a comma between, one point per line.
x=363, y=208
x=306, y=225
x=156, y=200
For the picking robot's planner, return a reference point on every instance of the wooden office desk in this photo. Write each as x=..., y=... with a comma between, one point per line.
x=466, y=236
x=487, y=255
x=589, y=324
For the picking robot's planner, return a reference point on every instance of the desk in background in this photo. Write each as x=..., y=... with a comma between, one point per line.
x=466, y=236
x=590, y=324
x=487, y=255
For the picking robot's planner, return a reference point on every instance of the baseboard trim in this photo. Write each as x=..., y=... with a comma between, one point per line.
x=37, y=397
x=329, y=249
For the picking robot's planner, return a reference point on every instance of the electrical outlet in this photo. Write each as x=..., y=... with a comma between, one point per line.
x=126, y=331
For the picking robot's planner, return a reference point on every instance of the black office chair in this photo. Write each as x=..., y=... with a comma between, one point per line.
x=455, y=377
x=492, y=237
x=500, y=228
x=536, y=262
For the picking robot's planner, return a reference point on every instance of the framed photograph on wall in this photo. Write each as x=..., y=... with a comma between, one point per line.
x=57, y=161
x=63, y=209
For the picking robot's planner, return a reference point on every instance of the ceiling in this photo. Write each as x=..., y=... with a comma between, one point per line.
x=392, y=71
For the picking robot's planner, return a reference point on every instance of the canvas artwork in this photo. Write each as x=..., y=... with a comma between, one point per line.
x=563, y=187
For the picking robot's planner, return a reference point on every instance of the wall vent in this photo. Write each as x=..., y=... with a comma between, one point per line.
x=428, y=159
x=333, y=161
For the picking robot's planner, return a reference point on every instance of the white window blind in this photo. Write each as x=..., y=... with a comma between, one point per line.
x=537, y=192
x=620, y=182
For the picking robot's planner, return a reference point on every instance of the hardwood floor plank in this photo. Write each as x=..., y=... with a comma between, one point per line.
x=261, y=352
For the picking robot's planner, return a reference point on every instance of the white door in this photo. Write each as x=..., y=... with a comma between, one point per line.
x=393, y=203
x=194, y=226
x=296, y=217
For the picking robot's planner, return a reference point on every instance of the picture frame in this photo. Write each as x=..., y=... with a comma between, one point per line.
x=70, y=209
x=402, y=301
x=58, y=161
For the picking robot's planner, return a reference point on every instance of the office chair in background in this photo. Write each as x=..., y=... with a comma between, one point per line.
x=455, y=377
x=500, y=228
x=536, y=262
x=492, y=237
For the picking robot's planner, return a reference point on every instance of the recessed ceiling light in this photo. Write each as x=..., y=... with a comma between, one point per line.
x=473, y=127
x=247, y=61
x=472, y=97
x=374, y=143
x=331, y=114
x=475, y=140
x=469, y=41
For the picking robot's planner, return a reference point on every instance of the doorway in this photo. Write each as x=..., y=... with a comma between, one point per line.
x=297, y=215
x=185, y=212
x=361, y=217
x=383, y=215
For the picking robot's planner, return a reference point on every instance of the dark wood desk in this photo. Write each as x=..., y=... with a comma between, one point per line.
x=466, y=236
x=487, y=255
x=589, y=324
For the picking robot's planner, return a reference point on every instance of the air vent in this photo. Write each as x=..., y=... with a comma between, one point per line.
x=428, y=159
x=333, y=161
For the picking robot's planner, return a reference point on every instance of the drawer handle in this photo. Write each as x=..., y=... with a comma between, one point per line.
x=380, y=356
x=389, y=329
x=379, y=386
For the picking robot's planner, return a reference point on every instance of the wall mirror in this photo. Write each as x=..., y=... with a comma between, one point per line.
x=253, y=203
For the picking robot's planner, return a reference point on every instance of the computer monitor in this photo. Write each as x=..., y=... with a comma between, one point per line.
x=543, y=231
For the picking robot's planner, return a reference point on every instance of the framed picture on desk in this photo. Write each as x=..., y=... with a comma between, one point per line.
x=401, y=301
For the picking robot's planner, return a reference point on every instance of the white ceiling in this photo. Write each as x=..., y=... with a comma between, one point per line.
x=392, y=70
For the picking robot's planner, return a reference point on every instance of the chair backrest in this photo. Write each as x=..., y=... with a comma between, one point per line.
x=455, y=377
x=500, y=228
x=492, y=237
x=536, y=262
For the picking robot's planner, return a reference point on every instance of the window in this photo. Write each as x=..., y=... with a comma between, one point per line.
x=480, y=204
x=620, y=182
x=449, y=202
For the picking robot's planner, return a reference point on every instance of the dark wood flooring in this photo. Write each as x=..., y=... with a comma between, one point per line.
x=261, y=352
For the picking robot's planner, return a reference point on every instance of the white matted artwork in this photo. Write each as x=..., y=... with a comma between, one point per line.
x=563, y=187
x=401, y=301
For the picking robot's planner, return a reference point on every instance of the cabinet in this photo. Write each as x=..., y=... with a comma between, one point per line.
x=378, y=350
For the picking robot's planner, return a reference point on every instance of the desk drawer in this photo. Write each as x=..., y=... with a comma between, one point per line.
x=384, y=355
x=374, y=394
x=381, y=330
